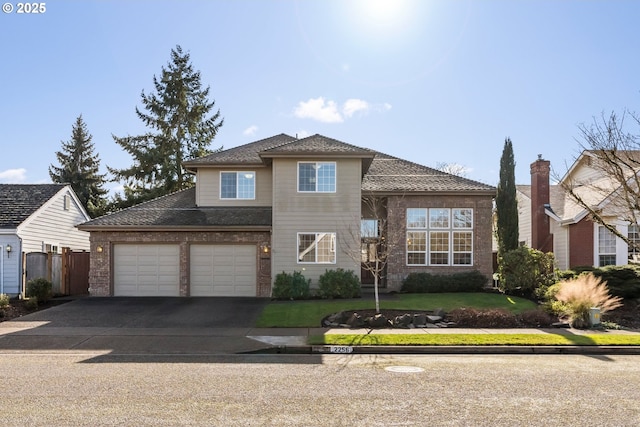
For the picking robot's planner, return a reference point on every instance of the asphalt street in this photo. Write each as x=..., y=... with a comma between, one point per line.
x=97, y=389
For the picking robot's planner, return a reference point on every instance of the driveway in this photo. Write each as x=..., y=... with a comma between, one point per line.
x=157, y=312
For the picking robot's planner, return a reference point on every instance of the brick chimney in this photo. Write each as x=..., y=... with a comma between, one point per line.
x=541, y=237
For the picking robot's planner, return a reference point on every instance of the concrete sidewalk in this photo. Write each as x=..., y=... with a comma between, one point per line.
x=21, y=336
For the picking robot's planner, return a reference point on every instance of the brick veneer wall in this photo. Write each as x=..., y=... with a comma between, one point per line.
x=397, y=268
x=101, y=263
x=581, y=248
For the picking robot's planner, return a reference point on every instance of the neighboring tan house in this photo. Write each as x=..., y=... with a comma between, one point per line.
x=36, y=218
x=551, y=221
x=288, y=204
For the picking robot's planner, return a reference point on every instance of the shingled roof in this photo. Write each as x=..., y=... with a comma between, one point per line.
x=393, y=175
x=19, y=201
x=382, y=174
x=179, y=210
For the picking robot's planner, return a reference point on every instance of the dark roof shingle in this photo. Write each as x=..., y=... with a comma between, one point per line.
x=19, y=201
x=179, y=209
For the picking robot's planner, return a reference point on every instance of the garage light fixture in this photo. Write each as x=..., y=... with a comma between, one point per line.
x=99, y=249
x=9, y=249
x=265, y=249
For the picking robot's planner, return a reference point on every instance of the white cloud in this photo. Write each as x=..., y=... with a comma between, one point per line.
x=13, y=176
x=250, y=131
x=318, y=109
x=327, y=111
x=352, y=106
x=302, y=134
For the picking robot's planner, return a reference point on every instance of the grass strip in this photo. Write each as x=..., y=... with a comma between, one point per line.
x=309, y=313
x=473, y=339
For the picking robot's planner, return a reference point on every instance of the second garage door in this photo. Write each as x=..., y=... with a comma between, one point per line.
x=223, y=270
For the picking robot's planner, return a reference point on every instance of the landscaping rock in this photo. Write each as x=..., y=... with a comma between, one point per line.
x=420, y=319
x=434, y=319
x=355, y=321
x=378, y=321
x=403, y=321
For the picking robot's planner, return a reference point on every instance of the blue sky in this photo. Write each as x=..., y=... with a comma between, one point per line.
x=429, y=81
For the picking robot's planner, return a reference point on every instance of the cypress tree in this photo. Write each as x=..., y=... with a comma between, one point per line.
x=79, y=167
x=182, y=127
x=506, y=203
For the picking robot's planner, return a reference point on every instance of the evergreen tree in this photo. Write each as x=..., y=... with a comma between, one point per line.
x=506, y=203
x=79, y=167
x=181, y=128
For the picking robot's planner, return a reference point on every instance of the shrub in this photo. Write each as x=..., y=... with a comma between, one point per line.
x=339, y=283
x=622, y=280
x=536, y=318
x=39, y=288
x=485, y=318
x=581, y=294
x=4, y=300
x=32, y=303
x=291, y=286
x=472, y=281
x=526, y=272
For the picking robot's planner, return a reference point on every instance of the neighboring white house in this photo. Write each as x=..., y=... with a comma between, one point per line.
x=551, y=221
x=36, y=218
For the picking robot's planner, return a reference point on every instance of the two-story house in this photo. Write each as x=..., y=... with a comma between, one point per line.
x=288, y=204
x=552, y=221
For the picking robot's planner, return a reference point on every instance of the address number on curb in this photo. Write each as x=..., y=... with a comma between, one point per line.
x=340, y=349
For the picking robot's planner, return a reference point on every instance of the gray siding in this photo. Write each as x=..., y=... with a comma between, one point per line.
x=295, y=213
x=52, y=224
x=208, y=187
x=10, y=265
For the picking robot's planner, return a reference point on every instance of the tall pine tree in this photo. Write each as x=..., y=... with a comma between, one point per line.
x=79, y=167
x=506, y=203
x=182, y=127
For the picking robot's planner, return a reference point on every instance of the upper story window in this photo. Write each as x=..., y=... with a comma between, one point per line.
x=238, y=185
x=317, y=177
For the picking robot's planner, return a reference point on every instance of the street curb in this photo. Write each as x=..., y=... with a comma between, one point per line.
x=444, y=350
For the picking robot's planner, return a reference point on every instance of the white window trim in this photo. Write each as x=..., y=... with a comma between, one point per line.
x=427, y=230
x=318, y=235
x=237, y=198
x=335, y=168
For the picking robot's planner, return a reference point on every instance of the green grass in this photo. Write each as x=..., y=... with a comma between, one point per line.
x=309, y=314
x=473, y=339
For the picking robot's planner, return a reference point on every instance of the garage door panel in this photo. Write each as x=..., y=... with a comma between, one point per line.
x=146, y=270
x=223, y=270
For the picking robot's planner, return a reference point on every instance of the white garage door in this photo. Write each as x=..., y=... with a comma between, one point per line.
x=146, y=270
x=223, y=270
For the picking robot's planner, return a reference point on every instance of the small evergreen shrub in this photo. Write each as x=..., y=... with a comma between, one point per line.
x=39, y=288
x=472, y=281
x=291, y=286
x=32, y=303
x=339, y=283
x=4, y=300
x=526, y=272
x=537, y=318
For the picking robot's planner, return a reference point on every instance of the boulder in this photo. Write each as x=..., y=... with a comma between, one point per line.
x=403, y=321
x=378, y=321
x=419, y=320
x=355, y=321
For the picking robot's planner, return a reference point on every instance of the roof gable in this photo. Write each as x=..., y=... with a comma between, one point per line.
x=19, y=201
x=247, y=154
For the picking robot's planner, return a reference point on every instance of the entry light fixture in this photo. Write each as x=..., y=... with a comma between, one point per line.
x=9, y=249
x=99, y=249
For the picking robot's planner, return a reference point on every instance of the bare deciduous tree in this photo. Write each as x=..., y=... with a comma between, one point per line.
x=614, y=153
x=377, y=242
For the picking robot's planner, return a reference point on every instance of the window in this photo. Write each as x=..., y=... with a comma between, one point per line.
x=317, y=177
x=317, y=248
x=237, y=185
x=439, y=236
x=606, y=247
x=369, y=229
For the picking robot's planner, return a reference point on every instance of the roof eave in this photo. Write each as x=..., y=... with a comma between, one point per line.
x=106, y=228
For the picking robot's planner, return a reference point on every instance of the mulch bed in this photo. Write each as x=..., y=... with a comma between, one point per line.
x=18, y=308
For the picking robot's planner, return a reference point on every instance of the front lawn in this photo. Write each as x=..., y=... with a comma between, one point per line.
x=309, y=313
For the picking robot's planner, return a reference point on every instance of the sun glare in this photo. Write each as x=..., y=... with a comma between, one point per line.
x=382, y=14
